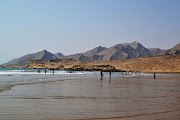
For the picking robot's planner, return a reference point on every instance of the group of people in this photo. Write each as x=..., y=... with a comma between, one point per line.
x=40, y=70
x=101, y=73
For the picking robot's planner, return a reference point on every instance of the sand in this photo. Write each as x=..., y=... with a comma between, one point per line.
x=131, y=98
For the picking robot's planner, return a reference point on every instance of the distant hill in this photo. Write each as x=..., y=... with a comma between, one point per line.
x=89, y=55
x=174, y=50
x=162, y=63
x=59, y=55
x=125, y=51
x=117, y=52
x=43, y=55
x=156, y=51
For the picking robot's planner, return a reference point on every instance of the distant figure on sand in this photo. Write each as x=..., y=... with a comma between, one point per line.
x=101, y=74
x=154, y=75
x=39, y=71
x=110, y=74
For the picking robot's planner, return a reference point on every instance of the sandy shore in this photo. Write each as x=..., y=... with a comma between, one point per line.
x=131, y=98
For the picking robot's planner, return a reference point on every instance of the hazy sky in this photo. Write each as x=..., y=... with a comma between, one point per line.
x=72, y=26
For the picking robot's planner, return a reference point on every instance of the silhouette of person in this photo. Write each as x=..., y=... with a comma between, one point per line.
x=110, y=74
x=101, y=74
x=53, y=71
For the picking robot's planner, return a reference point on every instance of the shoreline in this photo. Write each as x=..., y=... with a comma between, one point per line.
x=104, y=69
x=8, y=87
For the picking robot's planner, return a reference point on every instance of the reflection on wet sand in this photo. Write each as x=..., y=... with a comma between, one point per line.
x=133, y=98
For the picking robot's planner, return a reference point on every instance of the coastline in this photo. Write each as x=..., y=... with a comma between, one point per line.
x=126, y=98
x=154, y=64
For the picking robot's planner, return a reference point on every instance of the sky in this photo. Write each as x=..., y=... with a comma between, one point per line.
x=75, y=26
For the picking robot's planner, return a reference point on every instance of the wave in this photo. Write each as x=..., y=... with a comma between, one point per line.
x=9, y=85
x=17, y=70
x=27, y=72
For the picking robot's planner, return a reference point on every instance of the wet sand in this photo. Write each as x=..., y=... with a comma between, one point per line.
x=131, y=98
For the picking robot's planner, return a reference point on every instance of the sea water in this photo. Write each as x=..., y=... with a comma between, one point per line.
x=10, y=77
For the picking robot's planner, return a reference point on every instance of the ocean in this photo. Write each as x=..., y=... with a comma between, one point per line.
x=10, y=77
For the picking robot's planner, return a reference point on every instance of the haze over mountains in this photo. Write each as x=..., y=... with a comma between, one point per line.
x=116, y=52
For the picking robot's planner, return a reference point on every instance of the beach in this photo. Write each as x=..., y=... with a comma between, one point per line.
x=86, y=98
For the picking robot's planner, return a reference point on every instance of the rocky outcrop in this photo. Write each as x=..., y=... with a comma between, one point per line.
x=86, y=67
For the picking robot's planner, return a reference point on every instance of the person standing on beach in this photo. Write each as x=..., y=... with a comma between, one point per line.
x=154, y=76
x=101, y=74
x=110, y=74
x=53, y=71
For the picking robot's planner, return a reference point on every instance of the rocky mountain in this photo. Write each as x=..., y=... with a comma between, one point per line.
x=116, y=52
x=174, y=50
x=125, y=51
x=59, y=55
x=94, y=51
x=156, y=51
x=42, y=55
x=122, y=52
x=89, y=55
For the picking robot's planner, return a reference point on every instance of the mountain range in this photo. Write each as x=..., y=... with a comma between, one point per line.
x=117, y=52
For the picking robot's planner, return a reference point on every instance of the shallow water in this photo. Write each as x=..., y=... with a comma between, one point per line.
x=88, y=97
x=10, y=77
